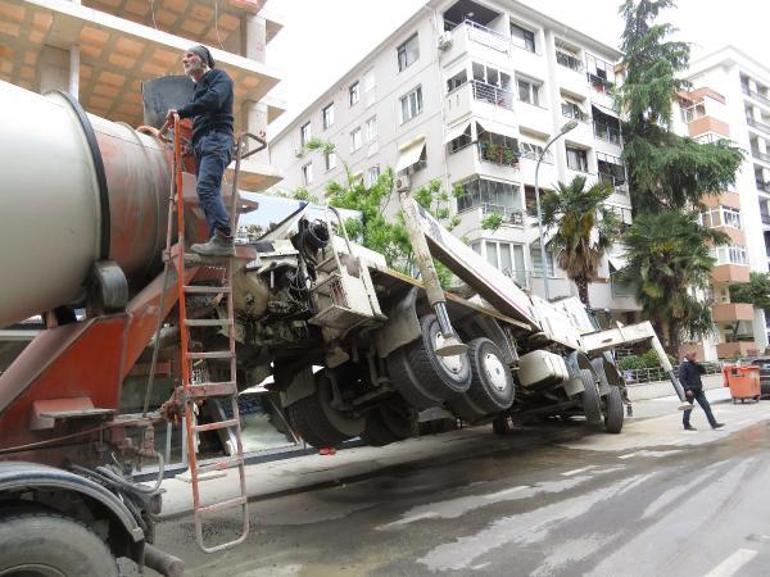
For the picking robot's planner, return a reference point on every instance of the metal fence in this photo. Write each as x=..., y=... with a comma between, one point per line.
x=651, y=375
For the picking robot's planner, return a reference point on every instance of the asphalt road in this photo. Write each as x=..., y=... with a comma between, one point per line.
x=550, y=500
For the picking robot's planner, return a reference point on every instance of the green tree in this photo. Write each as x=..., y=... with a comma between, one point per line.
x=584, y=229
x=666, y=171
x=755, y=292
x=668, y=260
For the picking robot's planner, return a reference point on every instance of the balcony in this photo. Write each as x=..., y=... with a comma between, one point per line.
x=756, y=95
x=763, y=156
x=758, y=125
x=492, y=94
x=732, y=312
x=569, y=61
x=736, y=349
x=619, y=185
x=600, y=85
x=765, y=218
x=510, y=216
x=497, y=154
x=730, y=273
x=607, y=133
x=763, y=186
x=485, y=36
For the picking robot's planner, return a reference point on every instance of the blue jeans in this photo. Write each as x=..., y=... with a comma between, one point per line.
x=213, y=152
x=700, y=396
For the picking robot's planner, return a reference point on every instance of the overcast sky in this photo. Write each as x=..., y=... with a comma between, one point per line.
x=323, y=39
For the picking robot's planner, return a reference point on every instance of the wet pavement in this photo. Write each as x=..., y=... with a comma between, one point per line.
x=550, y=500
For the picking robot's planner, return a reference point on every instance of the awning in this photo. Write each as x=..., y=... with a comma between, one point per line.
x=409, y=154
x=618, y=261
x=456, y=131
x=498, y=128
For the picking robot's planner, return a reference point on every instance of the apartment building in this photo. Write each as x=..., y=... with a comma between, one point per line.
x=470, y=93
x=730, y=100
x=100, y=51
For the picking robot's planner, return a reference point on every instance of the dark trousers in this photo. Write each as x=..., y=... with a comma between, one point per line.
x=700, y=396
x=213, y=152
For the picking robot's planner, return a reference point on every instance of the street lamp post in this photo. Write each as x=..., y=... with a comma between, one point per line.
x=564, y=130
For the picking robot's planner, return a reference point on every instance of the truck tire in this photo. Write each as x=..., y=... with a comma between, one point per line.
x=388, y=423
x=317, y=422
x=422, y=377
x=590, y=399
x=491, y=389
x=48, y=545
x=613, y=413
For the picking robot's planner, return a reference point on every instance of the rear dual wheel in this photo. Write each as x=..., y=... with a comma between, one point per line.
x=388, y=423
x=491, y=390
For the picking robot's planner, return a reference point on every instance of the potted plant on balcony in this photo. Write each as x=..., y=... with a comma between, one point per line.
x=510, y=157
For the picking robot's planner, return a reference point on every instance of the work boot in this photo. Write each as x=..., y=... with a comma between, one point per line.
x=690, y=428
x=218, y=245
x=718, y=426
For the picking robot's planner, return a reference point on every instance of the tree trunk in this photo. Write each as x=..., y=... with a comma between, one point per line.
x=582, y=287
x=673, y=338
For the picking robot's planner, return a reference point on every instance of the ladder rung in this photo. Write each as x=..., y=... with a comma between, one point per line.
x=216, y=425
x=204, y=289
x=206, y=390
x=222, y=505
x=210, y=355
x=207, y=322
x=220, y=465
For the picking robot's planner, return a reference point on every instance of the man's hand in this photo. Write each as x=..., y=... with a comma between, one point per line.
x=170, y=116
x=689, y=394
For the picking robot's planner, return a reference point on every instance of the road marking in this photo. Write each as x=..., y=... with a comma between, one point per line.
x=580, y=470
x=732, y=564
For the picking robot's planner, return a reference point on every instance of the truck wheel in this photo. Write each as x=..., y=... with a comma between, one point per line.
x=592, y=402
x=390, y=422
x=613, y=414
x=422, y=377
x=317, y=422
x=49, y=545
x=491, y=389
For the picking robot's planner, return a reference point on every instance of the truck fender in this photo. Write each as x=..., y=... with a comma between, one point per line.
x=21, y=476
x=302, y=385
x=402, y=326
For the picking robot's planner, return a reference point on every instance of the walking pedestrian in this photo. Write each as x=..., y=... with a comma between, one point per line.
x=690, y=378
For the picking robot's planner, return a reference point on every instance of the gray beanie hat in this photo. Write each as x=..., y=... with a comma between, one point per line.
x=204, y=54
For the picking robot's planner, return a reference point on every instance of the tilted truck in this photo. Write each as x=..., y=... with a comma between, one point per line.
x=355, y=349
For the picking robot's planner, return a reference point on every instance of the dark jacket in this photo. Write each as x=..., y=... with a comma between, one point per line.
x=689, y=375
x=211, y=107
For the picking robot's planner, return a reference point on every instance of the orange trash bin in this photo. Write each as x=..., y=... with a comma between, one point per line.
x=743, y=382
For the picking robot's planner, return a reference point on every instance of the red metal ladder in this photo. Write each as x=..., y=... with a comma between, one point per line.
x=216, y=390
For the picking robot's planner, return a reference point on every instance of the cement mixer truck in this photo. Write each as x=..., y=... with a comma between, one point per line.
x=355, y=349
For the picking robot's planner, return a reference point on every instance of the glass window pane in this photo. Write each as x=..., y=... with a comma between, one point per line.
x=506, y=263
x=492, y=253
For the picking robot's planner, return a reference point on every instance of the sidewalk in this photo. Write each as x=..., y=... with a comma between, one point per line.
x=657, y=422
x=659, y=389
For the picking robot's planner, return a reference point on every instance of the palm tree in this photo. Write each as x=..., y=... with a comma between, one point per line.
x=585, y=229
x=669, y=259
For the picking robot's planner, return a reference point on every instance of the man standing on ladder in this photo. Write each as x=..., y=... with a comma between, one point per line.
x=211, y=109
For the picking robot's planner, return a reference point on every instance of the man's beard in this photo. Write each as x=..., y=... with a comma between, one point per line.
x=194, y=69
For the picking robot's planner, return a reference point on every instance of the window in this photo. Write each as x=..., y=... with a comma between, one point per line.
x=537, y=261
x=577, y=159
x=305, y=134
x=411, y=105
x=307, y=173
x=408, y=53
x=573, y=110
x=492, y=86
x=721, y=216
x=369, y=87
x=456, y=81
x=331, y=160
x=569, y=59
x=508, y=258
x=533, y=151
x=355, y=138
x=730, y=254
x=522, y=37
x=465, y=139
x=354, y=93
x=491, y=196
x=372, y=174
x=328, y=116
x=370, y=129
x=529, y=91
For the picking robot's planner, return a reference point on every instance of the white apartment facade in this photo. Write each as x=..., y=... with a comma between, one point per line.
x=469, y=93
x=731, y=99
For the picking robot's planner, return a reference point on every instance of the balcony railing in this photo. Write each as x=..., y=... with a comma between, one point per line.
x=569, y=61
x=599, y=84
x=486, y=36
x=501, y=155
x=763, y=156
x=510, y=215
x=607, y=133
x=619, y=185
x=756, y=95
x=492, y=94
x=758, y=125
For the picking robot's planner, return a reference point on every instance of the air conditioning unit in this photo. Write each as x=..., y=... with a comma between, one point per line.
x=445, y=41
x=403, y=181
